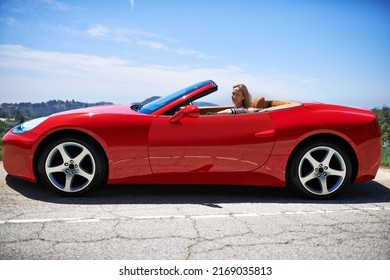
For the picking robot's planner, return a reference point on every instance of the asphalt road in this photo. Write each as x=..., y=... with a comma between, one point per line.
x=193, y=222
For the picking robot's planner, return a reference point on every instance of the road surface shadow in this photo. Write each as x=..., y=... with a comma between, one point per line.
x=208, y=195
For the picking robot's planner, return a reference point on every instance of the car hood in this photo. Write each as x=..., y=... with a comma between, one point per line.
x=102, y=109
x=83, y=118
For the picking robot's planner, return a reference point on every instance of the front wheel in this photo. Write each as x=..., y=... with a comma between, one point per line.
x=320, y=170
x=71, y=166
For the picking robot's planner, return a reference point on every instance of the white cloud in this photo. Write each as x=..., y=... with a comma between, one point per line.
x=11, y=21
x=153, y=44
x=56, y=5
x=195, y=53
x=113, y=33
x=98, y=31
x=122, y=35
x=144, y=38
x=132, y=4
x=31, y=75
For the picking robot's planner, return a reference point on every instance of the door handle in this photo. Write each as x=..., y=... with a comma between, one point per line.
x=265, y=133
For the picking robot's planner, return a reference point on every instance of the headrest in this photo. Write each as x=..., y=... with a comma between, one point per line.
x=259, y=102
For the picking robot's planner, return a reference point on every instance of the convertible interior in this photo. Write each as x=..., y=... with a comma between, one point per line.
x=259, y=104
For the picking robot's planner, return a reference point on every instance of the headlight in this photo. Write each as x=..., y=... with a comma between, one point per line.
x=27, y=126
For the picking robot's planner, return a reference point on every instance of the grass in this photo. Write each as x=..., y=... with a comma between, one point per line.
x=385, y=157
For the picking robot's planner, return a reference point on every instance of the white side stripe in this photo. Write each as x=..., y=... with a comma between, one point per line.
x=220, y=216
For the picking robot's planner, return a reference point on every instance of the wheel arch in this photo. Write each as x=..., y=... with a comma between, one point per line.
x=67, y=133
x=326, y=137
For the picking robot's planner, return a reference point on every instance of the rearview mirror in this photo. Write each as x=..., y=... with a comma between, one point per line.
x=190, y=111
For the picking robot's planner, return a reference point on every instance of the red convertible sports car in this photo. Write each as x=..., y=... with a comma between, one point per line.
x=316, y=149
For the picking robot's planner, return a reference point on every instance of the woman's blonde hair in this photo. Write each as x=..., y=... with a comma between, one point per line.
x=247, y=96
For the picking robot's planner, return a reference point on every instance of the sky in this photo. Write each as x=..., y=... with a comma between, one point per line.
x=124, y=51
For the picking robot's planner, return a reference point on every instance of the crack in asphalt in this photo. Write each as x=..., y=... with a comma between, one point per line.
x=200, y=237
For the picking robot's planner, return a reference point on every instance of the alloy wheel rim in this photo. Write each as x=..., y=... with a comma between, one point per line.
x=70, y=167
x=322, y=170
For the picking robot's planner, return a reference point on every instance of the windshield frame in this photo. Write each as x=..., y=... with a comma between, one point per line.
x=181, y=95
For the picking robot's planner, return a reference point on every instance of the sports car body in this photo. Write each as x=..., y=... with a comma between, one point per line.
x=316, y=149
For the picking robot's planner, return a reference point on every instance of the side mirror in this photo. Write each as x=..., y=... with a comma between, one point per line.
x=190, y=111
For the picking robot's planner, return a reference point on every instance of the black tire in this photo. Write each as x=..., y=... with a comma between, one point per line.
x=320, y=170
x=71, y=166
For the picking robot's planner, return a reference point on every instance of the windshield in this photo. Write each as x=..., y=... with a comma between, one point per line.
x=161, y=102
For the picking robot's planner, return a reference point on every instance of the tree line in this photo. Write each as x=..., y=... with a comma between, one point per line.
x=21, y=112
x=383, y=116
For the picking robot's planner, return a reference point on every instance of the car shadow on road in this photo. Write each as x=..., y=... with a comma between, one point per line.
x=208, y=195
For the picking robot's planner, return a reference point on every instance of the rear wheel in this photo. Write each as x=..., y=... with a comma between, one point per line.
x=71, y=166
x=320, y=170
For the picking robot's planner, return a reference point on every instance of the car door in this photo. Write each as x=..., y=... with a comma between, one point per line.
x=215, y=143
